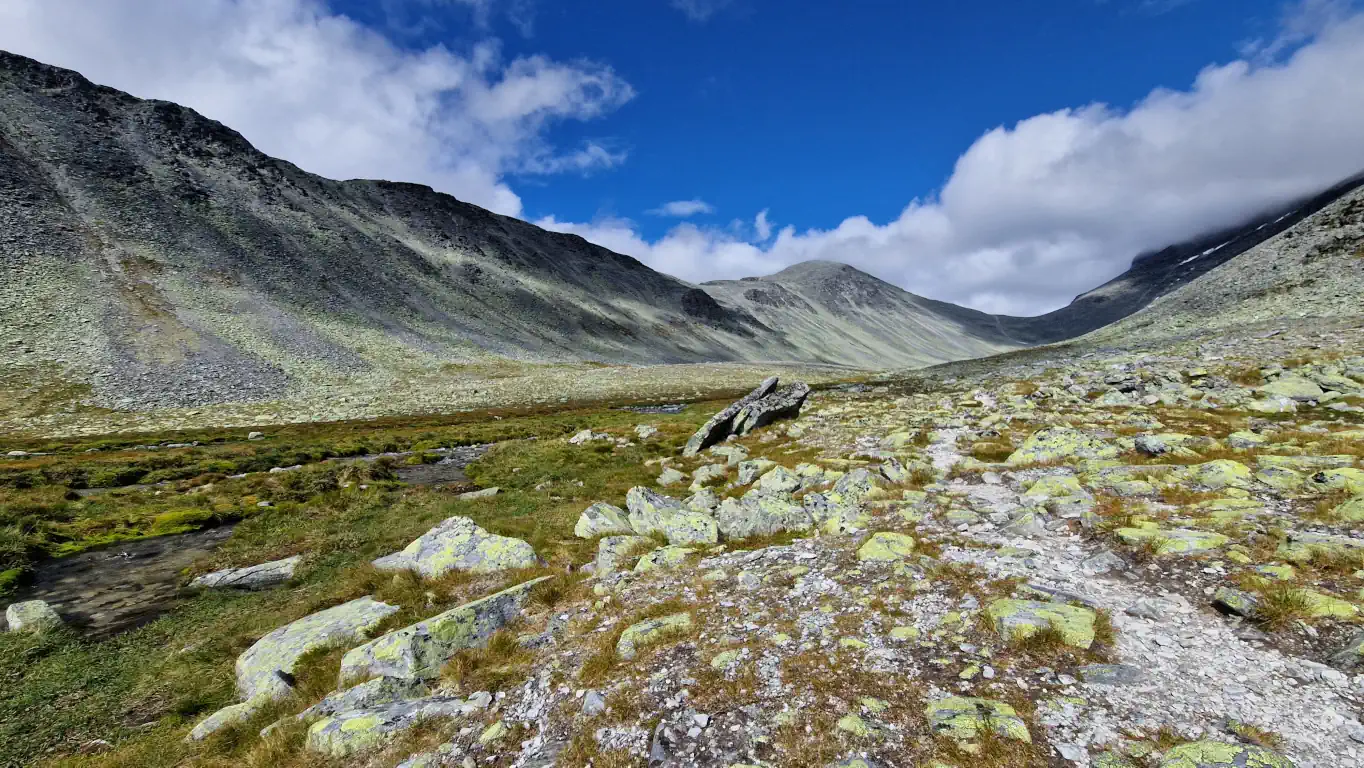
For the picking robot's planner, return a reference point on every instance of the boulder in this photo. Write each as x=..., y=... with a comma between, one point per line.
x=367, y=695
x=457, y=544
x=785, y=403
x=611, y=551
x=420, y=650
x=721, y=424
x=779, y=480
x=653, y=513
x=760, y=515
x=602, y=519
x=663, y=558
x=1020, y=619
x=34, y=616
x=363, y=730
x=251, y=577
x=1293, y=387
x=265, y=670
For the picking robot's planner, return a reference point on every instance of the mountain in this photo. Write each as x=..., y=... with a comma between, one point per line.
x=157, y=258
x=1311, y=267
x=833, y=312
x=1157, y=273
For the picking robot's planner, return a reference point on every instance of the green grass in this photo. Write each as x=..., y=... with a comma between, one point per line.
x=144, y=689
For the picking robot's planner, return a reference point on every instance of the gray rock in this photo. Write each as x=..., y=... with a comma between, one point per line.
x=602, y=519
x=367, y=695
x=593, y=703
x=251, y=577
x=33, y=616
x=362, y=730
x=1104, y=562
x=457, y=544
x=721, y=424
x=1110, y=674
x=782, y=404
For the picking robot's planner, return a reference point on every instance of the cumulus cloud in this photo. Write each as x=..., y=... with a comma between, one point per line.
x=700, y=10
x=682, y=209
x=329, y=94
x=1045, y=209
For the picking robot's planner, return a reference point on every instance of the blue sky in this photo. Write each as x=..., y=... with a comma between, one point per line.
x=820, y=110
x=1002, y=154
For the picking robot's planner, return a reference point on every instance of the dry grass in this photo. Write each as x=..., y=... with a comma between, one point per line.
x=500, y=664
x=1254, y=734
x=1281, y=604
x=603, y=660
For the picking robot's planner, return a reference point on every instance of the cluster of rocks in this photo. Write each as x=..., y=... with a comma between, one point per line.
x=758, y=408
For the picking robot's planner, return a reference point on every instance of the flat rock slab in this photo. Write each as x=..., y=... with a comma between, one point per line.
x=251, y=577
x=418, y=651
x=278, y=651
x=362, y=730
x=966, y=718
x=1216, y=754
x=458, y=544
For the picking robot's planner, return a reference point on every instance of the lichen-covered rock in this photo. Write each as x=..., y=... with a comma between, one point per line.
x=611, y=552
x=362, y=730
x=1019, y=619
x=1280, y=479
x=721, y=425
x=760, y=515
x=1236, y=601
x=653, y=513
x=458, y=544
x=785, y=403
x=1272, y=404
x=1216, y=475
x=1217, y=754
x=1178, y=541
x=833, y=518
x=1352, y=655
x=779, y=480
x=665, y=558
x=1245, y=440
x=669, y=476
x=1293, y=387
x=1054, y=486
x=651, y=632
x=961, y=717
x=1351, y=511
x=706, y=475
x=227, y=716
x=1061, y=444
x=753, y=469
x=1349, y=480
x=367, y=695
x=420, y=650
x=278, y=651
x=251, y=577
x=33, y=616
x=856, y=487
x=886, y=547
x=602, y=519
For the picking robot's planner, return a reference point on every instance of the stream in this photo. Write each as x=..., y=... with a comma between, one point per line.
x=109, y=590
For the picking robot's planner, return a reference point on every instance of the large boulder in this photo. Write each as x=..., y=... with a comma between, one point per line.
x=420, y=650
x=265, y=670
x=653, y=513
x=457, y=544
x=251, y=577
x=602, y=519
x=760, y=515
x=785, y=403
x=33, y=616
x=721, y=424
x=362, y=730
x=1293, y=387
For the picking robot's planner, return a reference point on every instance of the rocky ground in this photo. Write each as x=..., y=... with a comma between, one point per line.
x=1147, y=558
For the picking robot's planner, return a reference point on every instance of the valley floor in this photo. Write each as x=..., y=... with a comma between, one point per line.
x=1059, y=557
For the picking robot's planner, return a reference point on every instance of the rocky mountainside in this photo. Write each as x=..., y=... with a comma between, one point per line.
x=157, y=254
x=834, y=312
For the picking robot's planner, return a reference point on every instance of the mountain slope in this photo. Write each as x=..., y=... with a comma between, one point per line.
x=833, y=312
x=156, y=254
x=1312, y=269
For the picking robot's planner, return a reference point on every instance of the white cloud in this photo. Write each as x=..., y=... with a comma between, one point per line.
x=762, y=226
x=1058, y=203
x=681, y=209
x=328, y=94
x=700, y=10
